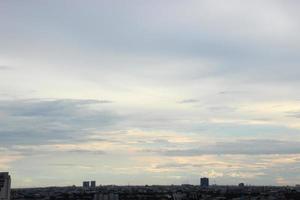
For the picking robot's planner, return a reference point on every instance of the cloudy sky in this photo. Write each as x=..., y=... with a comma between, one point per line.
x=150, y=92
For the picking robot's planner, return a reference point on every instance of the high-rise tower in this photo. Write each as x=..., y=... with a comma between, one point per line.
x=204, y=182
x=4, y=186
x=93, y=184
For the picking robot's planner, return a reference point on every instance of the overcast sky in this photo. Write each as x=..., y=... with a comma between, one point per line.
x=150, y=92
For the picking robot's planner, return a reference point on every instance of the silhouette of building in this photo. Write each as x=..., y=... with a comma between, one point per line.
x=241, y=184
x=204, y=182
x=93, y=184
x=85, y=184
x=5, y=186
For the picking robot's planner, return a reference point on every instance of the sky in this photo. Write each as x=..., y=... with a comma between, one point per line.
x=150, y=92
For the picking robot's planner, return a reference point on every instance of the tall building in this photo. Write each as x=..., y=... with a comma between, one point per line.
x=4, y=186
x=241, y=185
x=93, y=184
x=85, y=184
x=204, y=182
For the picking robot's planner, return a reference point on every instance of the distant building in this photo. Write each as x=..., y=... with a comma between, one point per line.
x=204, y=182
x=5, y=186
x=85, y=184
x=110, y=196
x=241, y=184
x=93, y=184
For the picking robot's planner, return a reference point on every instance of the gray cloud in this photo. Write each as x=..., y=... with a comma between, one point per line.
x=3, y=67
x=243, y=147
x=177, y=165
x=69, y=165
x=222, y=108
x=251, y=51
x=85, y=151
x=295, y=114
x=50, y=121
x=105, y=101
x=44, y=150
x=187, y=101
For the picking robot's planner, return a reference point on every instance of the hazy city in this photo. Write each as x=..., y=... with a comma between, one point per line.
x=91, y=191
x=149, y=99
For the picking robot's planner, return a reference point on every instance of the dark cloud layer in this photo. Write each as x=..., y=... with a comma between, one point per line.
x=45, y=121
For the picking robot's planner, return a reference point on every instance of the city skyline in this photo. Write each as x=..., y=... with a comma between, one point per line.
x=150, y=92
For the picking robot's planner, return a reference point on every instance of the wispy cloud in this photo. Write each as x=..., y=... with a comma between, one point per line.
x=187, y=101
x=4, y=67
x=242, y=147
